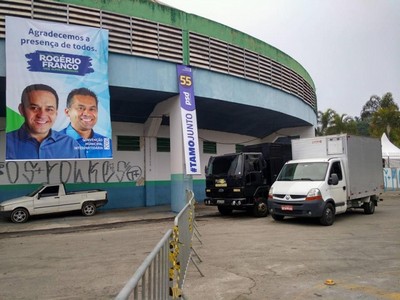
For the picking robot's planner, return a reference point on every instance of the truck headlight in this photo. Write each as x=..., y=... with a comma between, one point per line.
x=314, y=194
x=271, y=193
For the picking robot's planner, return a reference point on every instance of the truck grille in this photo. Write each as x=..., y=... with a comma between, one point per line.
x=225, y=194
x=293, y=197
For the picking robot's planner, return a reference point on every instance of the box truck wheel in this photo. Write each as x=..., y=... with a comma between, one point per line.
x=328, y=215
x=369, y=207
x=224, y=210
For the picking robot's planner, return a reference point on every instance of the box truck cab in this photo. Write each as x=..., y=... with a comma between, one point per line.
x=328, y=176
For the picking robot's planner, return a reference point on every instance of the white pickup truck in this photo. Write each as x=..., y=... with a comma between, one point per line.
x=52, y=198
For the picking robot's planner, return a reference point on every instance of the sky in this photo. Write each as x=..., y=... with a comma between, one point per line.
x=350, y=48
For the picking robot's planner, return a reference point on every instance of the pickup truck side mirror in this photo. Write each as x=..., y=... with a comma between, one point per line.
x=333, y=179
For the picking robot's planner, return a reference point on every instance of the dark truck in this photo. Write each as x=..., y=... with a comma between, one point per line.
x=241, y=181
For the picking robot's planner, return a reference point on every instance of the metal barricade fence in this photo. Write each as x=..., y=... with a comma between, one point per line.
x=162, y=274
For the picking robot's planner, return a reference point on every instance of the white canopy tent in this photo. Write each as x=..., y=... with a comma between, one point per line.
x=390, y=153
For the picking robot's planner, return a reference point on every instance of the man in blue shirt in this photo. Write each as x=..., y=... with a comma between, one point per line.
x=82, y=109
x=35, y=139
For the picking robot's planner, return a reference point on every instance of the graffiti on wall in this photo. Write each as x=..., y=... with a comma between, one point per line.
x=69, y=172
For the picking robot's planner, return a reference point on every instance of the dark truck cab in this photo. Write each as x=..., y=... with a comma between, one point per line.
x=241, y=181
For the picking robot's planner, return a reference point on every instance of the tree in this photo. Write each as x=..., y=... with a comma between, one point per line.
x=370, y=107
x=324, y=120
x=384, y=117
x=342, y=124
x=378, y=115
x=362, y=126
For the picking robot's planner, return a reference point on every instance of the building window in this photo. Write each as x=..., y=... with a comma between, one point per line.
x=163, y=145
x=209, y=147
x=128, y=143
x=239, y=148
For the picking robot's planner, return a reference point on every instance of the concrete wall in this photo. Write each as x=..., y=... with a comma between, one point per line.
x=132, y=178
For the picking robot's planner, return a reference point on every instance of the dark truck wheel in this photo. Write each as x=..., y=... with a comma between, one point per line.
x=88, y=209
x=19, y=215
x=328, y=215
x=369, y=207
x=260, y=209
x=223, y=210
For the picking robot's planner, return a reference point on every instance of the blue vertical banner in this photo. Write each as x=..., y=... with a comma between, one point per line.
x=57, y=94
x=189, y=120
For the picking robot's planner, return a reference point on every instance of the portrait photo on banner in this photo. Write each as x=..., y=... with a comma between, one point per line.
x=57, y=94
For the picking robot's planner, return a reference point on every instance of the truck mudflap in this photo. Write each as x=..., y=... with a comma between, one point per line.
x=309, y=208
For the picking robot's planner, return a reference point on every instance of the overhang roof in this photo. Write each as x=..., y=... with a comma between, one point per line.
x=136, y=105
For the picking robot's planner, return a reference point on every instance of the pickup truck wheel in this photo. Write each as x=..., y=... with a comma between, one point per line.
x=260, y=210
x=19, y=215
x=369, y=207
x=328, y=215
x=88, y=209
x=224, y=210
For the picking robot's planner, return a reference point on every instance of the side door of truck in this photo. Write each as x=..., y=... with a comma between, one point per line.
x=338, y=191
x=253, y=173
x=47, y=200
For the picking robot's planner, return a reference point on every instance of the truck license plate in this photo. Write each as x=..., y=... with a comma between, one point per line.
x=220, y=201
x=287, y=207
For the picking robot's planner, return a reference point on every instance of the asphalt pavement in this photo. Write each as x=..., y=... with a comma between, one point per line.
x=71, y=221
x=272, y=259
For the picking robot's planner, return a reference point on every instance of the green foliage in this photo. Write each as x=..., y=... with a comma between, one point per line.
x=330, y=122
x=377, y=116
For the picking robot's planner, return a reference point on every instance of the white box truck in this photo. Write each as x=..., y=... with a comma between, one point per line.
x=327, y=176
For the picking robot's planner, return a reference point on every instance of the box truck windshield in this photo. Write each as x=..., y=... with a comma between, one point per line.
x=309, y=171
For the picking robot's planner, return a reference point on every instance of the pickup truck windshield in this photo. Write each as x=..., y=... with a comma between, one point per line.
x=313, y=171
x=227, y=165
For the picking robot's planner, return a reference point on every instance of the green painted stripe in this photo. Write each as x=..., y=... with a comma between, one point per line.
x=157, y=183
x=99, y=185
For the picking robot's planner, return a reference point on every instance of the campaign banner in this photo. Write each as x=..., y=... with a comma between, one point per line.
x=189, y=120
x=57, y=95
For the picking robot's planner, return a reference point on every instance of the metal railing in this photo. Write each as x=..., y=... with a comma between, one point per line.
x=162, y=273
